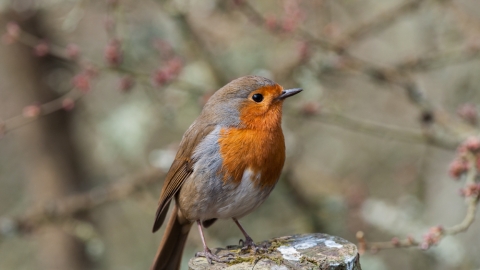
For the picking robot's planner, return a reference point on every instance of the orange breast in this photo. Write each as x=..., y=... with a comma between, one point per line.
x=258, y=144
x=261, y=151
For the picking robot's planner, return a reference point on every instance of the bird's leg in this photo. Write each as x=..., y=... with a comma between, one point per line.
x=248, y=240
x=207, y=253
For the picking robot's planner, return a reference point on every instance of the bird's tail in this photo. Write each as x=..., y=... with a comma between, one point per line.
x=169, y=254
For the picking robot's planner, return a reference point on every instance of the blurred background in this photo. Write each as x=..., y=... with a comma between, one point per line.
x=95, y=97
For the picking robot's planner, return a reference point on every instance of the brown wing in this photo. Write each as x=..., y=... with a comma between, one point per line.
x=181, y=169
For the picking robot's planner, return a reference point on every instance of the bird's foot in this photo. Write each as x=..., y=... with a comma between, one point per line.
x=249, y=244
x=207, y=253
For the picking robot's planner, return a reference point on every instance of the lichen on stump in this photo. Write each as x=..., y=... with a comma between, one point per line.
x=303, y=251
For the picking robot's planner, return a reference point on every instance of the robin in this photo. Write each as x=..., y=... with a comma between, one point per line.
x=228, y=162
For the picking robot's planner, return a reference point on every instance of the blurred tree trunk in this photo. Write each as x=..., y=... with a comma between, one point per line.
x=46, y=145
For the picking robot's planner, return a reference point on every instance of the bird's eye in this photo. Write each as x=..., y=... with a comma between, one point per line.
x=257, y=98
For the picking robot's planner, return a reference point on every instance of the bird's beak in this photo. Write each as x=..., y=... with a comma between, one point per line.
x=289, y=92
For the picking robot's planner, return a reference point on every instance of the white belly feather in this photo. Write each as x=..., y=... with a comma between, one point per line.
x=243, y=199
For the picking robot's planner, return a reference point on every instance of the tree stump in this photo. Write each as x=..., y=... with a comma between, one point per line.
x=304, y=251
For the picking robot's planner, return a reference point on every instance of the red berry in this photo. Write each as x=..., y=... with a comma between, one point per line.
x=457, y=168
x=311, y=108
x=161, y=77
x=472, y=144
x=113, y=53
x=126, y=83
x=82, y=82
x=68, y=104
x=31, y=111
x=72, y=51
x=41, y=49
x=468, y=112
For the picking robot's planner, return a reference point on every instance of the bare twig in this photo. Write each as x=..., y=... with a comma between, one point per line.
x=68, y=100
x=43, y=109
x=64, y=209
x=364, y=245
x=469, y=25
x=437, y=233
x=378, y=23
x=431, y=61
x=471, y=201
x=386, y=131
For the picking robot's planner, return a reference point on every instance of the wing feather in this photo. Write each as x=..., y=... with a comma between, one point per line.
x=181, y=169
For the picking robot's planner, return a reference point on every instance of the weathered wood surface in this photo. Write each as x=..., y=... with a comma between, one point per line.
x=304, y=251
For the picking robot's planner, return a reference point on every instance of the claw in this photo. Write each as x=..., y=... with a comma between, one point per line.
x=207, y=253
x=249, y=244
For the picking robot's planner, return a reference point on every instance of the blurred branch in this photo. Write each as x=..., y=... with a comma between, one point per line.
x=364, y=245
x=33, y=41
x=396, y=75
x=258, y=19
x=82, y=81
x=471, y=199
x=430, y=61
x=32, y=112
x=351, y=62
x=469, y=25
x=66, y=208
x=386, y=131
x=472, y=203
x=198, y=43
x=401, y=76
x=49, y=158
x=378, y=23
x=437, y=233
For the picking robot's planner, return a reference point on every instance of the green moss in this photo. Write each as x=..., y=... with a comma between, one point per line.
x=255, y=258
x=239, y=260
x=276, y=259
x=266, y=254
x=276, y=244
x=305, y=259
